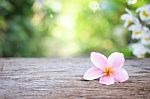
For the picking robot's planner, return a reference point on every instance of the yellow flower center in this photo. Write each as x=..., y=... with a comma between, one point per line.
x=130, y=22
x=107, y=71
x=144, y=13
x=146, y=38
x=136, y=33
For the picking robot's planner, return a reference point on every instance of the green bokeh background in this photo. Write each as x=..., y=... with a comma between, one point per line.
x=36, y=28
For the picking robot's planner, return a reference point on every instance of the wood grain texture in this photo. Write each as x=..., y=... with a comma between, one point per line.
x=57, y=78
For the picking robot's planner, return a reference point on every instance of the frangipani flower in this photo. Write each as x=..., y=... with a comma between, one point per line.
x=129, y=19
x=109, y=70
x=144, y=13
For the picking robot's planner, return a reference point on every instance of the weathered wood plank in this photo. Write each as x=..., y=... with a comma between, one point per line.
x=56, y=78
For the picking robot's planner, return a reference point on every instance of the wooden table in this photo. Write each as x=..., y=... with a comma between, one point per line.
x=58, y=78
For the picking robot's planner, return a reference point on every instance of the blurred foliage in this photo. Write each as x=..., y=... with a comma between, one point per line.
x=18, y=35
x=62, y=28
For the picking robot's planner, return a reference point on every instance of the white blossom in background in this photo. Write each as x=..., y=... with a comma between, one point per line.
x=144, y=13
x=129, y=19
x=131, y=2
x=139, y=50
x=139, y=28
x=137, y=31
x=145, y=40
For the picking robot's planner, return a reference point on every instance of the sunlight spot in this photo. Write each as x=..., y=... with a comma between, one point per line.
x=94, y=6
x=56, y=6
x=51, y=16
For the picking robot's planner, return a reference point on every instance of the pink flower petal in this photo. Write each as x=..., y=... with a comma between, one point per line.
x=108, y=80
x=99, y=60
x=120, y=75
x=92, y=73
x=116, y=60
